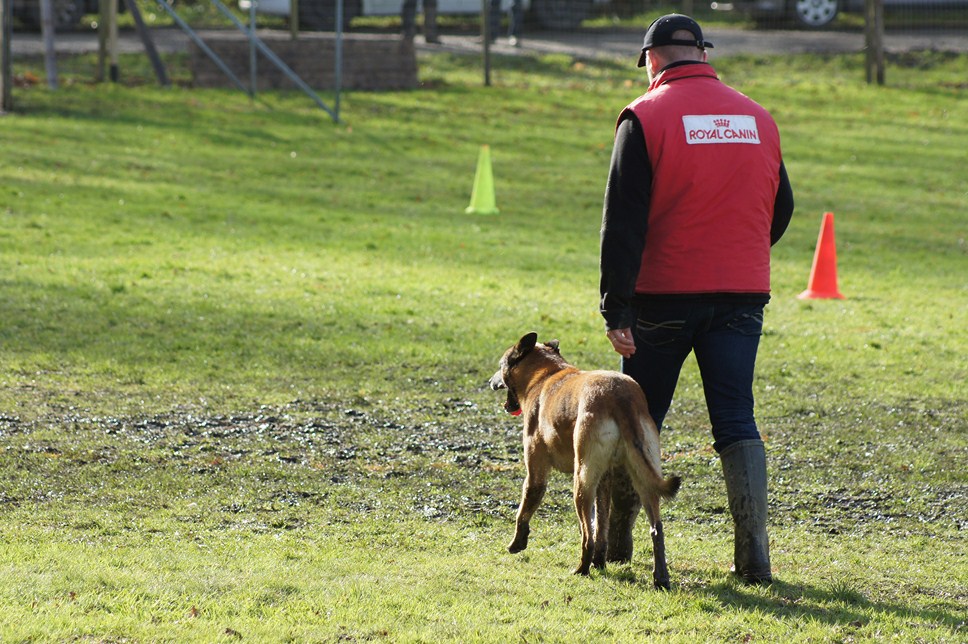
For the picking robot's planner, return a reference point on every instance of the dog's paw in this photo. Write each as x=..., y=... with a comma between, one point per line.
x=661, y=584
x=584, y=570
x=521, y=534
x=598, y=559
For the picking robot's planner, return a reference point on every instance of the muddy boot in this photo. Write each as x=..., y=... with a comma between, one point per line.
x=430, y=25
x=744, y=468
x=625, y=508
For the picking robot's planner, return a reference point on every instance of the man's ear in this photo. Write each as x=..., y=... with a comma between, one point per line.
x=652, y=63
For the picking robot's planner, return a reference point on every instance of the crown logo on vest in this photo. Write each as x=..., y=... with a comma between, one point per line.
x=721, y=122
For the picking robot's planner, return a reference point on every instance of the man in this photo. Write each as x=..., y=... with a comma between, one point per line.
x=697, y=193
x=515, y=21
x=409, y=19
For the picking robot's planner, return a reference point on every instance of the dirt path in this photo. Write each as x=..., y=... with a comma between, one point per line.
x=727, y=42
x=584, y=44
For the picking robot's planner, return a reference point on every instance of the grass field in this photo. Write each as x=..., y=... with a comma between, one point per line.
x=243, y=354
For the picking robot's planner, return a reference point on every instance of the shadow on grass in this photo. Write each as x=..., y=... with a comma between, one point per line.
x=836, y=604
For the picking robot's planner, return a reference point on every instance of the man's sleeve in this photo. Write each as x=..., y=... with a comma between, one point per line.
x=782, y=207
x=624, y=223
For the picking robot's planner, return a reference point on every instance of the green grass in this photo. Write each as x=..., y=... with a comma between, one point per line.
x=243, y=351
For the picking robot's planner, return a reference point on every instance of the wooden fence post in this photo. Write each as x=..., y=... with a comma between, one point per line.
x=874, y=40
x=6, y=67
x=114, y=72
x=47, y=31
x=486, y=39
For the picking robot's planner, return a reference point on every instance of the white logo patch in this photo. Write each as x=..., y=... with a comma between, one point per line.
x=720, y=128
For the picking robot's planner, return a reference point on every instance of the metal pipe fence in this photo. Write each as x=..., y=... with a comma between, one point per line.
x=494, y=31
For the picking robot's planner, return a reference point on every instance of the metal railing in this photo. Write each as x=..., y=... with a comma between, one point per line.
x=257, y=45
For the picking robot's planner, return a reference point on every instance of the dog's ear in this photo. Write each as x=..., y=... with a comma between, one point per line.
x=523, y=347
x=553, y=345
x=527, y=342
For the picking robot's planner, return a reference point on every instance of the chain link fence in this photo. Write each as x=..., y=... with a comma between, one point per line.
x=592, y=26
x=582, y=29
x=515, y=20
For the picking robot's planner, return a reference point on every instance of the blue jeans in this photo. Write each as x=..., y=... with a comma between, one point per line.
x=724, y=337
x=515, y=18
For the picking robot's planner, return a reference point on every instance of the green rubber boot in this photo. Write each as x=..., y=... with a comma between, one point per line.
x=744, y=468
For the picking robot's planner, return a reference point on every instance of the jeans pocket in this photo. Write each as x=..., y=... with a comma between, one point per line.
x=747, y=323
x=658, y=333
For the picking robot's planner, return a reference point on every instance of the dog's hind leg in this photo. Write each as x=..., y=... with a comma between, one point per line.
x=535, y=483
x=585, y=507
x=603, y=503
x=586, y=492
x=660, y=571
x=645, y=471
x=650, y=501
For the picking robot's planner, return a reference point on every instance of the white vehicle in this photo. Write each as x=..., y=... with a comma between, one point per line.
x=321, y=14
x=817, y=14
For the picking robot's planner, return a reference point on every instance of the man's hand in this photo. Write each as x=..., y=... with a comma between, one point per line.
x=622, y=341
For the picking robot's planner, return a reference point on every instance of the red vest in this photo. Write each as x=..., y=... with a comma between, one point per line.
x=715, y=157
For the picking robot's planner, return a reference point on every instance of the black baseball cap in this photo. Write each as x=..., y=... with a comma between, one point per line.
x=661, y=30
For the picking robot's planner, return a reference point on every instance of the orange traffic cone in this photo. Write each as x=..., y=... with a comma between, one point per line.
x=823, y=275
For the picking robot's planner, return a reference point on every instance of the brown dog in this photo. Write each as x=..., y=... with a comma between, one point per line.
x=585, y=422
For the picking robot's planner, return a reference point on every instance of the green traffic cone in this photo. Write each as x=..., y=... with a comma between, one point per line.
x=482, y=196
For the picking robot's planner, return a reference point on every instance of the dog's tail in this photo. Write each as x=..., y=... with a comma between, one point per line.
x=670, y=487
x=646, y=467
